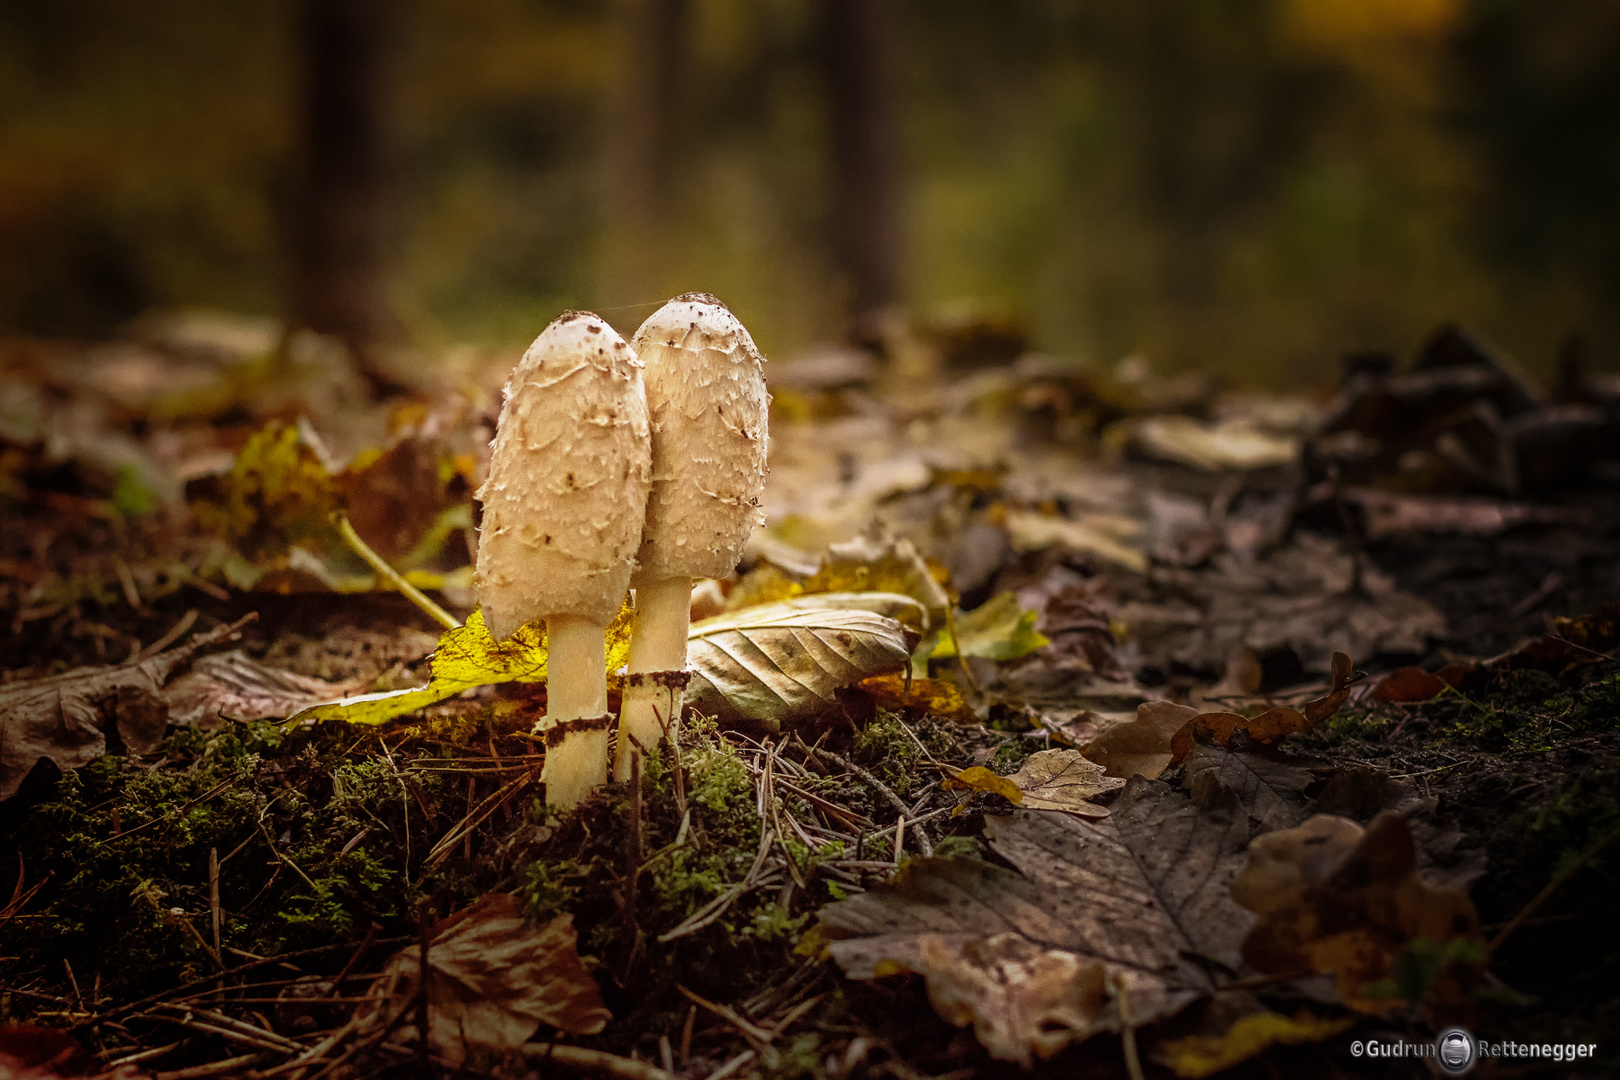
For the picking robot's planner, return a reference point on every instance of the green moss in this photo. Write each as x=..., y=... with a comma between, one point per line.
x=1365, y=726
x=126, y=845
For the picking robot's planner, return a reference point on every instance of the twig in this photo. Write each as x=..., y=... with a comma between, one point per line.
x=78, y=998
x=1613, y=659
x=887, y=792
x=579, y=1059
x=961, y=660
x=1552, y=886
x=686, y=1035
x=756, y=1035
x=176, y=632
x=206, y=980
x=1127, y=1034
x=213, y=894
x=140, y=1055
x=711, y=911
x=424, y=973
x=216, y=1068
x=923, y=843
x=732, y=1066
x=392, y=576
x=479, y=815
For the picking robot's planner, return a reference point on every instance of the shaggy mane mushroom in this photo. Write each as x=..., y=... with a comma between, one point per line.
x=563, y=511
x=709, y=411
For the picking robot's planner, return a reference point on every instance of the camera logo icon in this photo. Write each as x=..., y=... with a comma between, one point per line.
x=1454, y=1050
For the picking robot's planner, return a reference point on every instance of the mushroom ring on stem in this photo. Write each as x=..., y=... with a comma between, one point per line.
x=563, y=511
x=709, y=412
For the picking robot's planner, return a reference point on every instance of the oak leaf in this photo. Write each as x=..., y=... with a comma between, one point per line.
x=1063, y=780
x=1337, y=898
x=1037, y=959
x=66, y=717
x=493, y=979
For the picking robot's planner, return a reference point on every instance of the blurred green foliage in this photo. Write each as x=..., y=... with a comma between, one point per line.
x=1255, y=185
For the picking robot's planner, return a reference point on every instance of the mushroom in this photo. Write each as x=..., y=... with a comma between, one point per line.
x=707, y=403
x=563, y=511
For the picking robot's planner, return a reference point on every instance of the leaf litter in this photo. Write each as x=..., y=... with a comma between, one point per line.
x=1039, y=622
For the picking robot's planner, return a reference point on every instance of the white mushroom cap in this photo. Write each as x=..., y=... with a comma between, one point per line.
x=710, y=412
x=568, y=479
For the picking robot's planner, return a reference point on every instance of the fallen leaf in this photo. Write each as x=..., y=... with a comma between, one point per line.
x=1063, y=780
x=1217, y=447
x=1407, y=684
x=897, y=606
x=65, y=717
x=1198, y=1056
x=465, y=657
x=869, y=565
x=494, y=978
x=979, y=778
x=233, y=686
x=1336, y=898
x=1143, y=746
x=1035, y=959
x=1299, y=597
x=30, y=1052
x=933, y=696
x=1273, y=791
x=394, y=496
x=1274, y=723
x=1388, y=514
x=276, y=493
x=880, y=564
x=1105, y=538
x=1076, y=621
x=998, y=629
x=776, y=663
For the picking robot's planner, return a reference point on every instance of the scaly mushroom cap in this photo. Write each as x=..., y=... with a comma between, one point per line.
x=709, y=409
x=568, y=479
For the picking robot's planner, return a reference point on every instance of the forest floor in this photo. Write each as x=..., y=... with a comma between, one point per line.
x=1147, y=578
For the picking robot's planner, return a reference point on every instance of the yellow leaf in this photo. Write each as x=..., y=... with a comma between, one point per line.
x=979, y=778
x=931, y=695
x=277, y=493
x=466, y=657
x=1201, y=1055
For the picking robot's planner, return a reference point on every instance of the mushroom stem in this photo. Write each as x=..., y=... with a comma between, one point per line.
x=652, y=708
x=576, y=695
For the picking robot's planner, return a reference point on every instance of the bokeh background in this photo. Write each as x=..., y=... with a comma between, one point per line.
x=1254, y=187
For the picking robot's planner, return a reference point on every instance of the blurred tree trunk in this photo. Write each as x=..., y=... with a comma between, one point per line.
x=646, y=141
x=859, y=42
x=346, y=197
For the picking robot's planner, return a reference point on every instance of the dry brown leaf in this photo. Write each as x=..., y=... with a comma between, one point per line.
x=1142, y=895
x=776, y=663
x=1336, y=898
x=1063, y=780
x=1144, y=745
x=1104, y=537
x=494, y=978
x=65, y=717
x=1273, y=791
x=1212, y=447
x=1274, y=723
x=1407, y=684
x=1300, y=596
x=231, y=685
x=1051, y=995
x=933, y=696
